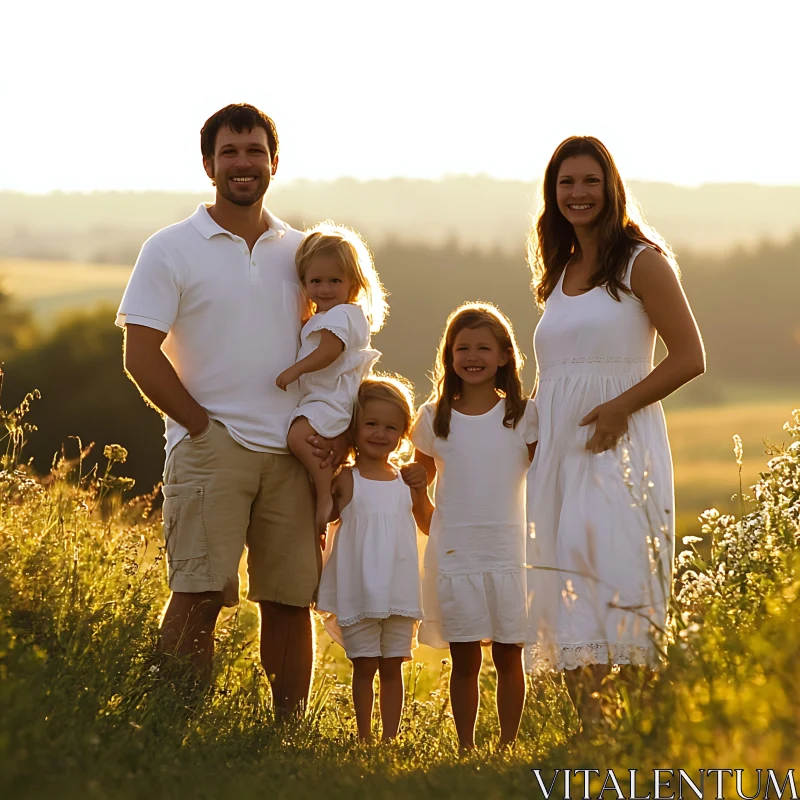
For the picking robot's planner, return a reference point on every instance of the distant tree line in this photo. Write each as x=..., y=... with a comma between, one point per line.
x=746, y=304
x=109, y=227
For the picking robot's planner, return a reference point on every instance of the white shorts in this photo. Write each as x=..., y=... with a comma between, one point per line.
x=392, y=637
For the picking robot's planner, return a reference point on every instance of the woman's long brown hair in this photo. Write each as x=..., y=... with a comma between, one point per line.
x=552, y=241
x=447, y=385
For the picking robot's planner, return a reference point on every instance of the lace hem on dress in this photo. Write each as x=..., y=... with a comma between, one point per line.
x=601, y=360
x=392, y=612
x=571, y=656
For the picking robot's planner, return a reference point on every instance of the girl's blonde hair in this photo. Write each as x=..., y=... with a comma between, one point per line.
x=447, y=385
x=396, y=390
x=356, y=260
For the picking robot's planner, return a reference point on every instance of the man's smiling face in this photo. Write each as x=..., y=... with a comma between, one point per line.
x=242, y=165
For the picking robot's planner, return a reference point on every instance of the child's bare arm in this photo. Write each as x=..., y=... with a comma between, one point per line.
x=342, y=490
x=417, y=477
x=428, y=463
x=422, y=509
x=329, y=349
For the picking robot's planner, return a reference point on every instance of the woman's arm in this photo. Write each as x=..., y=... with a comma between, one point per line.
x=655, y=283
x=329, y=349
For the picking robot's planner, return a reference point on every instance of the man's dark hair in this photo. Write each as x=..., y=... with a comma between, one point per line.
x=238, y=117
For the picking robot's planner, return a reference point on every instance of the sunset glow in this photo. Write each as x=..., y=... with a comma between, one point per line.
x=110, y=100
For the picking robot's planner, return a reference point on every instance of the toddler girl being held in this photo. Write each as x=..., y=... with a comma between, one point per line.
x=347, y=303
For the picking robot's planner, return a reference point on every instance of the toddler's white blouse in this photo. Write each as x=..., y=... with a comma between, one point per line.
x=328, y=395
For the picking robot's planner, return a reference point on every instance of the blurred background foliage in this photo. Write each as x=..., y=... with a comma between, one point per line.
x=57, y=329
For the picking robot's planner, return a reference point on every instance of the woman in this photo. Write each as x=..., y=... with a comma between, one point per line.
x=600, y=495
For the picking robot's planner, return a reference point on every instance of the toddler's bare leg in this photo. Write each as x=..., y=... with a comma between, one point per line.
x=299, y=432
x=364, y=670
x=391, y=695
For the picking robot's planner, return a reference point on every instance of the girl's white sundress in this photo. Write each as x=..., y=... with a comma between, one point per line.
x=328, y=395
x=373, y=568
x=601, y=537
x=474, y=583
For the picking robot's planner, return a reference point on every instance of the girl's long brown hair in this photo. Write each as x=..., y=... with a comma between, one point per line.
x=552, y=241
x=447, y=385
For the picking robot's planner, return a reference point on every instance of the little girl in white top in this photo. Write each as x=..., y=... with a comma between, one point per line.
x=476, y=435
x=346, y=303
x=370, y=584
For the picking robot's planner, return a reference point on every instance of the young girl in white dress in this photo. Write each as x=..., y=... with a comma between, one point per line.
x=600, y=494
x=370, y=584
x=346, y=303
x=476, y=435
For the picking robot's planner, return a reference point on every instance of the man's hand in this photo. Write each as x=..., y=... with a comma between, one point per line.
x=415, y=476
x=331, y=452
x=201, y=426
x=286, y=377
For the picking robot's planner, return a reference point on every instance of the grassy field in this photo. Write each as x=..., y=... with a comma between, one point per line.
x=88, y=710
x=50, y=288
x=706, y=473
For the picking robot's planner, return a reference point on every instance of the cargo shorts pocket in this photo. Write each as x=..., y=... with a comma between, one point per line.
x=184, y=526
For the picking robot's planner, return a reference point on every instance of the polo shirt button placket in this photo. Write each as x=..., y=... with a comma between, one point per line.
x=255, y=275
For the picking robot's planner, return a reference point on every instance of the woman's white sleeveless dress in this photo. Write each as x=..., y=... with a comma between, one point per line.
x=373, y=568
x=601, y=527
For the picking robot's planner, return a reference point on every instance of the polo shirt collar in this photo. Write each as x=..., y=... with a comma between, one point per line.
x=207, y=227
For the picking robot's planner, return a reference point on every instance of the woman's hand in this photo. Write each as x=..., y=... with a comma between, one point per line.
x=610, y=425
x=415, y=476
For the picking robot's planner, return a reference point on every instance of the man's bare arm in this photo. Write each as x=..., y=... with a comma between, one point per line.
x=154, y=375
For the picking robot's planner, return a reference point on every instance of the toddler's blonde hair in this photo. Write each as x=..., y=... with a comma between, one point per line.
x=357, y=263
x=398, y=391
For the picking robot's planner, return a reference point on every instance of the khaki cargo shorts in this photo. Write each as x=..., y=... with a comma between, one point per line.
x=220, y=497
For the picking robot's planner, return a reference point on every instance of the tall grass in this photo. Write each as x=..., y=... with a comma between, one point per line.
x=85, y=710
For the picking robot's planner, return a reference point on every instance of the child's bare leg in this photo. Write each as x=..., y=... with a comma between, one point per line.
x=299, y=432
x=510, y=689
x=364, y=670
x=391, y=694
x=464, y=694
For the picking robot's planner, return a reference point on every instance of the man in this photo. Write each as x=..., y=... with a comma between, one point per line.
x=212, y=316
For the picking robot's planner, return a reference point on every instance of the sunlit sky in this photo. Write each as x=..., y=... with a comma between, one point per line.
x=97, y=95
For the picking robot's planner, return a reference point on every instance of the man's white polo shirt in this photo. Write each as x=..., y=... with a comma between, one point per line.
x=232, y=320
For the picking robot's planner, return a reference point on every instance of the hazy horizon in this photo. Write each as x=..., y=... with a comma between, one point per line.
x=276, y=184
x=475, y=210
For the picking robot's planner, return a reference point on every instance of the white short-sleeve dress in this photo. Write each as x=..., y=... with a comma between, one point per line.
x=373, y=568
x=328, y=395
x=601, y=554
x=474, y=577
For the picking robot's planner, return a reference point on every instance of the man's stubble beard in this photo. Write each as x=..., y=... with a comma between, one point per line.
x=258, y=197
